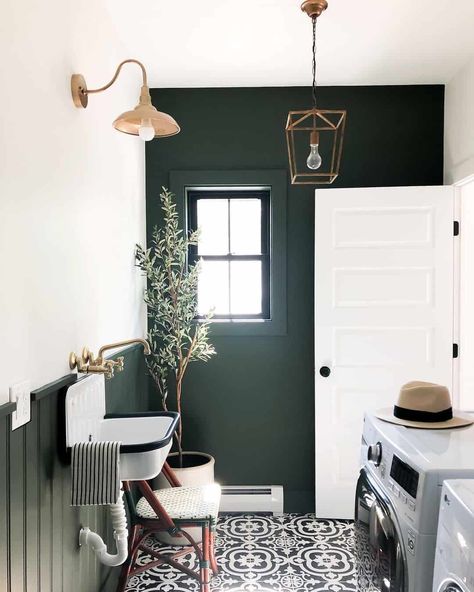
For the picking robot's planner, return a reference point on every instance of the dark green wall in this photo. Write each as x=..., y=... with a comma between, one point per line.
x=38, y=529
x=252, y=406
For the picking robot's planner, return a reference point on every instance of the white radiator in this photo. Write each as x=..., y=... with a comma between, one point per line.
x=252, y=498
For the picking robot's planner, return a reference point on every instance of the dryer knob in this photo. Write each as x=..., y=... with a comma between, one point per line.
x=374, y=454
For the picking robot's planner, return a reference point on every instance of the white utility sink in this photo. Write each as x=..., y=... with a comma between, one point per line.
x=146, y=438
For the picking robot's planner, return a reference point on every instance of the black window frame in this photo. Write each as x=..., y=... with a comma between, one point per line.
x=264, y=196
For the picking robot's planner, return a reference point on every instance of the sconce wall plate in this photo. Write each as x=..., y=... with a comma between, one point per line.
x=79, y=90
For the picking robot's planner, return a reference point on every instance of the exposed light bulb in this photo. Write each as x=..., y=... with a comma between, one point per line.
x=314, y=159
x=146, y=131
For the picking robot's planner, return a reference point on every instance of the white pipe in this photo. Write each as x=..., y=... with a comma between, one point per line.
x=119, y=523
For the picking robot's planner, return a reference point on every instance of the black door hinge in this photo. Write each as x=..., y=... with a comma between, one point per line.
x=456, y=228
x=455, y=350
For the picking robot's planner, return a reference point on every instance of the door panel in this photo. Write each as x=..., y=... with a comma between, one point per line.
x=381, y=226
x=383, y=316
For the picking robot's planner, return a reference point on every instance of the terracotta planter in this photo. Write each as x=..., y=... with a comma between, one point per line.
x=198, y=469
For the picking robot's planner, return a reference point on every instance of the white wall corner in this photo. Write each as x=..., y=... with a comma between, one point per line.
x=459, y=125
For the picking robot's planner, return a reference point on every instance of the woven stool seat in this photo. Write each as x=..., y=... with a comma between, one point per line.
x=185, y=503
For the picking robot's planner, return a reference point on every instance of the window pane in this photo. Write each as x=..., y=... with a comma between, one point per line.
x=246, y=287
x=245, y=227
x=212, y=220
x=213, y=289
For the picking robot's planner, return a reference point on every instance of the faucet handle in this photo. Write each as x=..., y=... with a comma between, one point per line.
x=76, y=361
x=109, y=369
x=119, y=364
x=72, y=360
x=87, y=355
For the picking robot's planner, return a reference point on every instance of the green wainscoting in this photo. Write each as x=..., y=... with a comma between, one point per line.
x=252, y=406
x=38, y=528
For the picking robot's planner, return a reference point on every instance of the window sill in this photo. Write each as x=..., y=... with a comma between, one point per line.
x=223, y=327
x=240, y=320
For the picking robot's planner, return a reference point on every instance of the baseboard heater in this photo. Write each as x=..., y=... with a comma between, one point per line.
x=252, y=498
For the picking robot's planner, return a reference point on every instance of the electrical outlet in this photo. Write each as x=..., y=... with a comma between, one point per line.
x=20, y=394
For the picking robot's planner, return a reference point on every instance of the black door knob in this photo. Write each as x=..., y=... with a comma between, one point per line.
x=325, y=371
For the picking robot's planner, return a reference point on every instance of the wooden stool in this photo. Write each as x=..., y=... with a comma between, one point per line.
x=172, y=510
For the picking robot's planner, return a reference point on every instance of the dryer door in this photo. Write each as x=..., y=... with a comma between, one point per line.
x=450, y=586
x=381, y=562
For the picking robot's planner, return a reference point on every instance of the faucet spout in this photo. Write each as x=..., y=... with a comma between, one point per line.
x=146, y=346
x=87, y=363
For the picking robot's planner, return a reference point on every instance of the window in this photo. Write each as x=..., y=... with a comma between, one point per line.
x=274, y=185
x=234, y=249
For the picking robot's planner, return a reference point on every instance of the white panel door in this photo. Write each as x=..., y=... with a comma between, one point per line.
x=383, y=316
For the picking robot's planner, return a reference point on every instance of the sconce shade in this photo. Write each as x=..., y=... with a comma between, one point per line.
x=130, y=121
x=301, y=128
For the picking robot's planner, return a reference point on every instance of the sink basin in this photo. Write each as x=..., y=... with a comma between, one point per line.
x=146, y=440
x=146, y=437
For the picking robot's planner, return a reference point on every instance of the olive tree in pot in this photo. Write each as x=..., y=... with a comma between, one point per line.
x=176, y=338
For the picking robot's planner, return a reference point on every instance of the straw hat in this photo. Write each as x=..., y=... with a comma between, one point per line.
x=424, y=405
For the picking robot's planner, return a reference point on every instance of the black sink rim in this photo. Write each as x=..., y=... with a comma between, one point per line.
x=147, y=446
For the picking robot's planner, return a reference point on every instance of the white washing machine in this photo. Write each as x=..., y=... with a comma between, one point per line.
x=454, y=563
x=398, y=499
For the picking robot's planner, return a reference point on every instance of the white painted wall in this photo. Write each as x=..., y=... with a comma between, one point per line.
x=466, y=298
x=459, y=166
x=71, y=191
x=459, y=125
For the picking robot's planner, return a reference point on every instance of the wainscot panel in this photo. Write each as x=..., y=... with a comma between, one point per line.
x=38, y=528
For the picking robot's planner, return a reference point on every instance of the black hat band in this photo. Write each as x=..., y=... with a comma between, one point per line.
x=423, y=416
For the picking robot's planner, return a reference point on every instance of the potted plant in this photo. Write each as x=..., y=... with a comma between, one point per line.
x=176, y=338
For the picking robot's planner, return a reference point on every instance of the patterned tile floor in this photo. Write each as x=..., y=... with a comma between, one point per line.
x=293, y=552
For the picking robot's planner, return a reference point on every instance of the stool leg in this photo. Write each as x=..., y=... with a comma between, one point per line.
x=205, y=571
x=214, y=567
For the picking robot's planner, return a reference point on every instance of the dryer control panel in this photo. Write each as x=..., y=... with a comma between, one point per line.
x=405, y=476
x=399, y=480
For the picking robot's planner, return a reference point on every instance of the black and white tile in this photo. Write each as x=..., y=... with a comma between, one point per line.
x=289, y=553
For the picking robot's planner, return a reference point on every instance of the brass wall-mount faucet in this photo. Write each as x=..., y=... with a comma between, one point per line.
x=87, y=363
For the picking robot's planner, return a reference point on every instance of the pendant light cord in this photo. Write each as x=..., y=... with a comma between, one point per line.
x=314, y=62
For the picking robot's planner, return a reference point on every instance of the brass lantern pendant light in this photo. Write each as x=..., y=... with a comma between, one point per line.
x=315, y=136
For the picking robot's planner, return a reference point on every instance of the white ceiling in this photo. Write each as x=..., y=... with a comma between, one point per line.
x=189, y=43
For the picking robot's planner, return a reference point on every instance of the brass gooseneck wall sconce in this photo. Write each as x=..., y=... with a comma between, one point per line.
x=315, y=136
x=144, y=121
x=87, y=363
